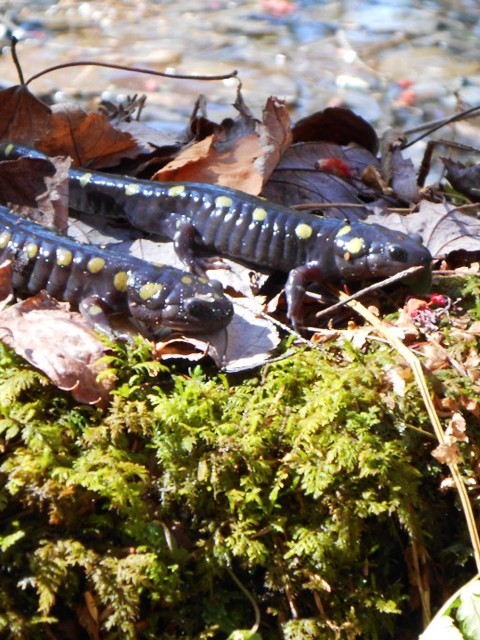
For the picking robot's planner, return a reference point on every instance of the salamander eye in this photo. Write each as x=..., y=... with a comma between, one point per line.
x=398, y=254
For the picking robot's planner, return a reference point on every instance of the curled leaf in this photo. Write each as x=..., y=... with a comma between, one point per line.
x=59, y=343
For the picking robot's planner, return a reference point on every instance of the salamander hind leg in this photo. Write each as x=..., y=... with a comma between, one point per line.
x=95, y=312
x=187, y=241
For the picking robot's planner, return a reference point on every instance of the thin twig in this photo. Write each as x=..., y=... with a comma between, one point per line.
x=440, y=124
x=16, y=61
x=362, y=292
x=249, y=597
x=329, y=205
x=424, y=593
x=151, y=72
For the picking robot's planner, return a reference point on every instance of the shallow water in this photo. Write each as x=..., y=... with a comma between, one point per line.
x=399, y=62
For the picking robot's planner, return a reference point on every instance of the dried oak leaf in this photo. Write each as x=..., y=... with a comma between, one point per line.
x=398, y=172
x=246, y=343
x=455, y=431
x=6, y=284
x=28, y=184
x=23, y=117
x=404, y=177
x=464, y=179
x=447, y=453
x=89, y=138
x=250, y=338
x=303, y=176
x=59, y=343
x=443, y=228
x=338, y=125
x=241, y=154
x=22, y=180
x=54, y=201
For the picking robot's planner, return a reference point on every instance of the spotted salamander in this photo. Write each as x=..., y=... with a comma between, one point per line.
x=246, y=228
x=99, y=280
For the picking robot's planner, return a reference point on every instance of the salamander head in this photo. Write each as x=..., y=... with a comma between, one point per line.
x=189, y=303
x=364, y=251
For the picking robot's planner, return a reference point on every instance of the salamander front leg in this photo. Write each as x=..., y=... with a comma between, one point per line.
x=295, y=291
x=186, y=241
x=94, y=310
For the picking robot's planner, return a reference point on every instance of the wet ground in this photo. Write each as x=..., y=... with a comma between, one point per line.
x=394, y=63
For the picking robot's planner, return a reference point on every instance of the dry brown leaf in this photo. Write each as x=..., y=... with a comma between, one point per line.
x=54, y=201
x=447, y=453
x=250, y=338
x=247, y=342
x=242, y=158
x=471, y=405
x=182, y=348
x=204, y=162
x=455, y=431
x=275, y=137
x=6, y=286
x=59, y=343
x=89, y=138
x=319, y=172
x=339, y=125
x=37, y=188
x=443, y=227
x=22, y=181
x=435, y=356
x=24, y=118
x=398, y=377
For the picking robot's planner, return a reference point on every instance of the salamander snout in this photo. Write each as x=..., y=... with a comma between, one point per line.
x=214, y=312
x=178, y=301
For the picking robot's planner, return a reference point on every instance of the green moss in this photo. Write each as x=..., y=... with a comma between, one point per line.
x=306, y=483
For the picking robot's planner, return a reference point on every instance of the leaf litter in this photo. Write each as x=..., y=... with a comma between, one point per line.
x=327, y=161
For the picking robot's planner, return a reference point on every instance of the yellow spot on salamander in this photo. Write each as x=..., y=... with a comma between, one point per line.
x=223, y=201
x=64, y=257
x=344, y=230
x=150, y=289
x=132, y=189
x=186, y=279
x=120, y=280
x=95, y=310
x=259, y=214
x=177, y=190
x=31, y=249
x=355, y=245
x=85, y=179
x=202, y=279
x=8, y=149
x=303, y=231
x=95, y=265
x=5, y=238
x=347, y=256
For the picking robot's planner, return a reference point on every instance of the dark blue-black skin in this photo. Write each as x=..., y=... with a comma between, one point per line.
x=100, y=281
x=245, y=228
